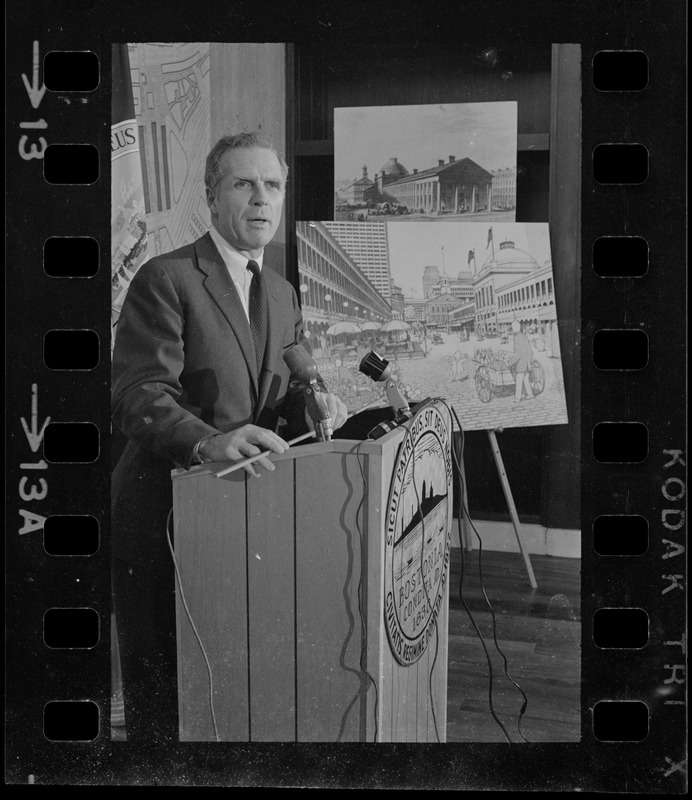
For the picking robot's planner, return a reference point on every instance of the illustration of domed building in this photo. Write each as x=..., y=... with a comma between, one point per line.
x=390, y=172
x=511, y=285
x=455, y=186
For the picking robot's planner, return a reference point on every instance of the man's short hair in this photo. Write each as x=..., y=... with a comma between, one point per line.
x=212, y=172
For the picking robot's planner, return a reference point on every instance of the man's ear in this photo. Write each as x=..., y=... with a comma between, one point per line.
x=210, y=199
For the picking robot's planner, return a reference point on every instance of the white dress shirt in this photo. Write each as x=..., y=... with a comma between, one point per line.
x=236, y=264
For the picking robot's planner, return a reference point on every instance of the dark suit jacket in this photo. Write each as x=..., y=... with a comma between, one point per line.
x=184, y=368
x=523, y=353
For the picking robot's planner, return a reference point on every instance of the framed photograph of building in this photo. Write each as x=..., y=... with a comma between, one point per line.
x=463, y=312
x=451, y=162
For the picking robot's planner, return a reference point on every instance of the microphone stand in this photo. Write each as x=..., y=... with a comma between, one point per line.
x=380, y=371
x=319, y=413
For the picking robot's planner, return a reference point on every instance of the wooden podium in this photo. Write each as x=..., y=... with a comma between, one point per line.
x=284, y=578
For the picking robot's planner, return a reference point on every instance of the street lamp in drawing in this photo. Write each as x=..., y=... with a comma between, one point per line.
x=305, y=298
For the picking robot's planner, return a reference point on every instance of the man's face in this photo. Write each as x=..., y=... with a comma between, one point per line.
x=247, y=200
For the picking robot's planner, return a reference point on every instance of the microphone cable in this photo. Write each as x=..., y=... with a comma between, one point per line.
x=194, y=627
x=458, y=460
x=363, y=625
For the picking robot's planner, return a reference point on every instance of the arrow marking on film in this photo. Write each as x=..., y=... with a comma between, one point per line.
x=33, y=435
x=35, y=93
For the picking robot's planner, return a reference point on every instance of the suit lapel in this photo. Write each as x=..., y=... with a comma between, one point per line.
x=222, y=289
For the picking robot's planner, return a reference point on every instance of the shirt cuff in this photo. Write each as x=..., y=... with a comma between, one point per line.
x=197, y=457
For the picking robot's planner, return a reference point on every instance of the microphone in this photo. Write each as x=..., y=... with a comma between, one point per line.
x=304, y=369
x=378, y=368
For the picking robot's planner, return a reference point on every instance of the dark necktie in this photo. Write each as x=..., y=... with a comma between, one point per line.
x=258, y=312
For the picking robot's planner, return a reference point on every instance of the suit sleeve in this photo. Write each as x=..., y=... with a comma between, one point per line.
x=148, y=360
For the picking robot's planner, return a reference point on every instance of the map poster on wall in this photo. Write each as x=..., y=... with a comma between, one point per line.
x=159, y=138
x=128, y=223
x=170, y=86
x=446, y=162
x=463, y=312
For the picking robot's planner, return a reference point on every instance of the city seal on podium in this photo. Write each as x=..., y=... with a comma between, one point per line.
x=418, y=525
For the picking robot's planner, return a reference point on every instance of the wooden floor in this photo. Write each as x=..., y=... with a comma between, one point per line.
x=539, y=632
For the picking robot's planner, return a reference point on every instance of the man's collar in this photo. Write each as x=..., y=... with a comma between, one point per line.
x=230, y=255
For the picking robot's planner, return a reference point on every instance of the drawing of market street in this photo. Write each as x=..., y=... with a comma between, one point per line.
x=465, y=312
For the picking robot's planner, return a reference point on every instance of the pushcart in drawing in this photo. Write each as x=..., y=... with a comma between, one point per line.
x=495, y=376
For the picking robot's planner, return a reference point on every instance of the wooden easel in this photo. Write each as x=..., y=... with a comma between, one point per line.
x=467, y=541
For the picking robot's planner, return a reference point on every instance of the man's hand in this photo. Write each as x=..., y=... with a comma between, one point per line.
x=338, y=413
x=242, y=443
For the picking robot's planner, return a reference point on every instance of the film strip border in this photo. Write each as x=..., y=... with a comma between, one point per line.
x=57, y=376
x=634, y=574
x=633, y=614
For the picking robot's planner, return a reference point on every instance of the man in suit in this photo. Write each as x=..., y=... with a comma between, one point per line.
x=521, y=362
x=196, y=378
